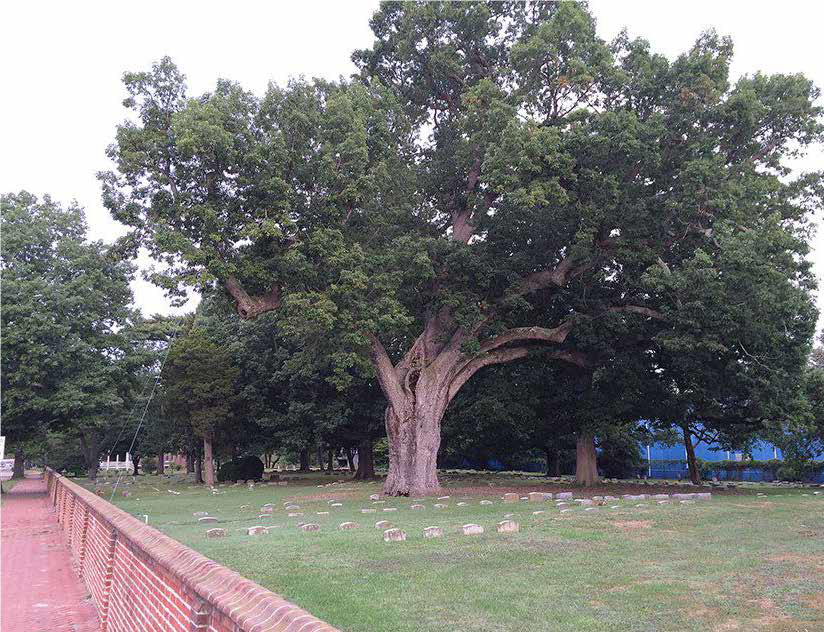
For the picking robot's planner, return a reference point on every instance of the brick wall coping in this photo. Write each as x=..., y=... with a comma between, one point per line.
x=248, y=605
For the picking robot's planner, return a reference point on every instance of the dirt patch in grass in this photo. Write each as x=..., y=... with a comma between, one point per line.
x=632, y=525
x=805, y=560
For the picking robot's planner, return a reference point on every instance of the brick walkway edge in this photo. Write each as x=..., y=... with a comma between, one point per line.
x=142, y=580
x=40, y=590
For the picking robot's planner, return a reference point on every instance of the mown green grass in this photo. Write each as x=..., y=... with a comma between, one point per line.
x=738, y=562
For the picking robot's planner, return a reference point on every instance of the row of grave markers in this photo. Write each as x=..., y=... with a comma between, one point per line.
x=392, y=534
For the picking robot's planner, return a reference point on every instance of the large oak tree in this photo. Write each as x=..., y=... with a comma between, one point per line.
x=495, y=181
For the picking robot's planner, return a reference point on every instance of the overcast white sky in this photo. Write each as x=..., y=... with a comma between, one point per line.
x=61, y=62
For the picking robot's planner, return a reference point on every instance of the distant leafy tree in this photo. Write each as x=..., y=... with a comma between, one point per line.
x=67, y=360
x=496, y=182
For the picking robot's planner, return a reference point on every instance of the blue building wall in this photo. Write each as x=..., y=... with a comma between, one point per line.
x=671, y=461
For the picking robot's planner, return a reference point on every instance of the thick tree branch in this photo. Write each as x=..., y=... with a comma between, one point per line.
x=502, y=356
x=387, y=376
x=558, y=276
x=249, y=307
x=522, y=334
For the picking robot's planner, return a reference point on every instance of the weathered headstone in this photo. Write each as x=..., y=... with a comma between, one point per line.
x=207, y=519
x=257, y=530
x=432, y=532
x=310, y=526
x=563, y=495
x=472, y=529
x=294, y=514
x=390, y=508
x=216, y=533
x=200, y=514
x=383, y=524
x=417, y=507
x=369, y=510
x=394, y=535
x=292, y=507
x=486, y=502
x=344, y=526
x=440, y=506
x=537, y=513
x=509, y=497
x=267, y=510
x=462, y=504
x=375, y=497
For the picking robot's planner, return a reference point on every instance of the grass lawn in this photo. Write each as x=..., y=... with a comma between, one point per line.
x=741, y=561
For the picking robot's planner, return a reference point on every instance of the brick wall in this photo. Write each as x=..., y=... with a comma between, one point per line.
x=142, y=580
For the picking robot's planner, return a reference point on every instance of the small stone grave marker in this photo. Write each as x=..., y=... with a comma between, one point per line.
x=295, y=514
x=416, y=507
x=344, y=526
x=383, y=524
x=508, y=526
x=257, y=530
x=472, y=529
x=310, y=526
x=216, y=533
x=390, y=508
x=432, y=532
x=394, y=535
x=375, y=497
x=509, y=497
x=207, y=519
x=563, y=495
x=368, y=510
x=200, y=514
x=486, y=502
x=440, y=506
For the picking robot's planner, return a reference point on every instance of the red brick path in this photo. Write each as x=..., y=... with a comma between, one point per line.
x=39, y=590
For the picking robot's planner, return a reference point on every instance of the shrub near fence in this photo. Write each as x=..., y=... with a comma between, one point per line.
x=142, y=580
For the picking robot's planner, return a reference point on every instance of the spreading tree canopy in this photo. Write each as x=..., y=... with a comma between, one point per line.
x=496, y=182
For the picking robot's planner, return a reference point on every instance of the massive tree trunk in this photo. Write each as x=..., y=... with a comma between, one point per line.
x=304, y=460
x=330, y=463
x=161, y=465
x=586, y=459
x=208, y=461
x=366, y=461
x=135, y=464
x=190, y=463
x=692, y=462
x=350, y=459
x=198, y=470
x=19, y=464
x=414, y=440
